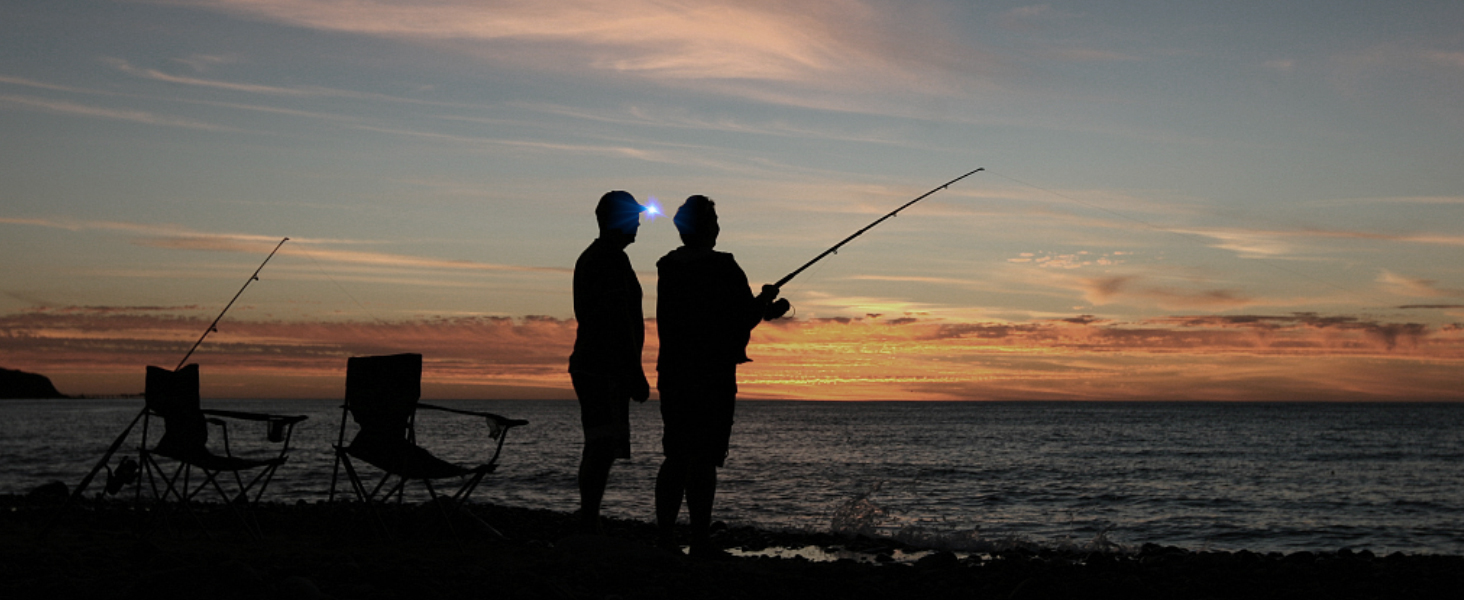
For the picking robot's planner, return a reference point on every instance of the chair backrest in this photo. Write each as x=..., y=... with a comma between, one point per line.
x=173, y=395
x=382, y=392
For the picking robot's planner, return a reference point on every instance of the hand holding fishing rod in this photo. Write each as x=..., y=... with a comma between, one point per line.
x=789, y=277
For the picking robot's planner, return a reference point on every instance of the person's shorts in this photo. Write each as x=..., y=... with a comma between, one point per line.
x=698, y=424
x=604, y=413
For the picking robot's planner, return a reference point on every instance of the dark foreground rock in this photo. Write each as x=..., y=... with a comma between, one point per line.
x=108, y=550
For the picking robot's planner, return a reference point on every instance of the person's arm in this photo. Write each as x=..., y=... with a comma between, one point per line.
x=602, y=306
x=631, y=331
x=754, y=308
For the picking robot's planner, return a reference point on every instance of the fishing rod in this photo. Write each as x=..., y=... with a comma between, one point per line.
x=117, y=443
x=214, y=326
x=790, y=276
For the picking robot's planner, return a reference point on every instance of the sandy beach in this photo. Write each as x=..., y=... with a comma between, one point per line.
x=320, y=550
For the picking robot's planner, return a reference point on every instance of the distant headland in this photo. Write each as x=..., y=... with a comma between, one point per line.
x=16, y=385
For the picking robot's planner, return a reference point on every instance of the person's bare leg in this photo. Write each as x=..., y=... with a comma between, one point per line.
x=594, y=476
x=670, y=485
x=701, y=492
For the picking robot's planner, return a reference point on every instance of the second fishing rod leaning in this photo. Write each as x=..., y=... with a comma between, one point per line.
x=117, y=443
x=835, y=248
x=214, y=326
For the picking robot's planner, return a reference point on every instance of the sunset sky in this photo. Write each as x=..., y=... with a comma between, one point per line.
x=1182, y=200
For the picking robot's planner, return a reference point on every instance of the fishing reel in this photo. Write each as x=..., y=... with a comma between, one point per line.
x=777, y=309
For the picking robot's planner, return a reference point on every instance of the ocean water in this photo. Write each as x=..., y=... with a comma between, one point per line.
x=1257, y=476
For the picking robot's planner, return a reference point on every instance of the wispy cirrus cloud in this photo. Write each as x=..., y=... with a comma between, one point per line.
x=182, y=238
x=1452, y=59
x=66, y=107
x=680, y=118
x=1247, y=243
x=823, y=44
x=614, y=150
x=1279, y=243
x=812, y=301
x=157, y=75
x=1412, y=200
x=261, y=89
x=1412, y=286
x=1075, y=260
x=42, y=85
x=1281, y=65
x=153, y=118
x=919, y=279
x=383, y=259
x=1034, y=16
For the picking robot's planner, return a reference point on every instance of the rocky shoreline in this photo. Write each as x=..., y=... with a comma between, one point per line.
x=318, y=550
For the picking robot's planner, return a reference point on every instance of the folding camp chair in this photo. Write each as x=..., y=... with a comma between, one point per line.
x=173, y=397
x=382, y=394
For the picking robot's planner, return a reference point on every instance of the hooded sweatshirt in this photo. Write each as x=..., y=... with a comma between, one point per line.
x=705, y=313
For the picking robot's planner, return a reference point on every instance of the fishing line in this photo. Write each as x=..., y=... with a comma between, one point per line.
x=340, y=287
x=887, y=216
x=1192, y=238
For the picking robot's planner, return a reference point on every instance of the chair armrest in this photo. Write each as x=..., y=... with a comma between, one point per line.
x=248, y=416
x=503, y=421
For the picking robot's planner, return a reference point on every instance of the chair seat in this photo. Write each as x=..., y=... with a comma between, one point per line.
x=209, y=461
x=399, y=457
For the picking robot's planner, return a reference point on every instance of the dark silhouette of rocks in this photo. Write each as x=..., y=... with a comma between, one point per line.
x=103, y=549
x=15, y=385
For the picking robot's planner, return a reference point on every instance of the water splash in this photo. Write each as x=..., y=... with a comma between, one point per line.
x=860, y=515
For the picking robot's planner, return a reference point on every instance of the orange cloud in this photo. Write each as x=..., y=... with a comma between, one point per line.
x=1212, y=358
x=1122, y=288
x=829, y=44
x=1257, y=357
x=68, y=343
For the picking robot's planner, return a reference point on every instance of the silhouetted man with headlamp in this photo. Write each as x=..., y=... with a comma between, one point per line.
x=606, y=364
x=705, y=313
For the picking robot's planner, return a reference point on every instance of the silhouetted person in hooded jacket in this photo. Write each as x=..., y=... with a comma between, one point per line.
x=606, y=364
x=705, y=313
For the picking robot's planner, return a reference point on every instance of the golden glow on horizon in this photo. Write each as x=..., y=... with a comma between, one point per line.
x=1207, y=357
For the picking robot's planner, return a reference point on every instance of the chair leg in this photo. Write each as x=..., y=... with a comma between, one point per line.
x=461, y=497
x=360, y=488
x=396, y=490
x=243, y=514
x=239, y=481
x=461, y=500
x=152, y=471
x=175, y=486
x=446, y=506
